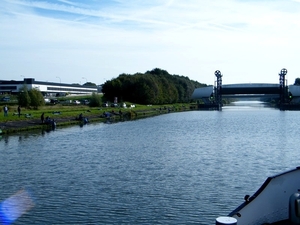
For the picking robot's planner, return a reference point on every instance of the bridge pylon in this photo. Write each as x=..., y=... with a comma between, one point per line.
x=218, y=90
x=282, y=88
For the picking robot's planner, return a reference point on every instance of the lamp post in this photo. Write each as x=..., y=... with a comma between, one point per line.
x=85, y=82
x=59, y=84
x=85, y=79
x=23, y=83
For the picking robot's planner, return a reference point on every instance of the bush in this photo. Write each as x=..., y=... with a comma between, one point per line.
x=36, y=98
x=95, y=100
x=24, y=98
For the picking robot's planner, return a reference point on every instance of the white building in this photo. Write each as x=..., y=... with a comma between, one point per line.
x=47, y=88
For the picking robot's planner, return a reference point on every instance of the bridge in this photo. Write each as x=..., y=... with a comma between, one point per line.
x=283, y=94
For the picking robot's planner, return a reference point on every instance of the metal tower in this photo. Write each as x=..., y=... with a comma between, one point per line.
x=218, y=90
x=282, y=87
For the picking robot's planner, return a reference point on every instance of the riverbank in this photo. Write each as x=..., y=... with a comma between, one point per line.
x=34, y=123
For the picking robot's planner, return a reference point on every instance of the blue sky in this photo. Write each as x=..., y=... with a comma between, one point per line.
x=75, y=41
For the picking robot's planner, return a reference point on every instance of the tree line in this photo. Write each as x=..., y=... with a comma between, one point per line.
x=152, y=87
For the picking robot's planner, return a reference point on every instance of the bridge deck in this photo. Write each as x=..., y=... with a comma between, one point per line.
x=249, y=90
x=245, y=89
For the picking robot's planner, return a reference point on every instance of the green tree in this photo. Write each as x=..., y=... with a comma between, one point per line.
x=36, y=98
x=23, y=97
x=297, y=81
x=153, y=87
x=95, y=100
x=89, y=84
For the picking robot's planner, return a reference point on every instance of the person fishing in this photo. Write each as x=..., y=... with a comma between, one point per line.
x=42, y=117
x=5, y=109
x=19, y=111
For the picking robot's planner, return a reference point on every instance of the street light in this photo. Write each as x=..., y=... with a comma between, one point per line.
x=85, y=79
x=59, y=83
x=23, y=82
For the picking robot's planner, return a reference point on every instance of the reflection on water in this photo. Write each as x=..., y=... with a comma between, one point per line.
x=178, y=168
x=248, y=105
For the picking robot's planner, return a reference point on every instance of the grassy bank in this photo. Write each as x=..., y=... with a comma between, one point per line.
x=65, y=115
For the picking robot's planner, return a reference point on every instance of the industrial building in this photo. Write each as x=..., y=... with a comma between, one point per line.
x=46, y=88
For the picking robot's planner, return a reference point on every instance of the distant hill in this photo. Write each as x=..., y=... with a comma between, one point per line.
x=152, y=87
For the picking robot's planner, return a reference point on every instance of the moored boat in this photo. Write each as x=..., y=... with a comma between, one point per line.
x=277, y=201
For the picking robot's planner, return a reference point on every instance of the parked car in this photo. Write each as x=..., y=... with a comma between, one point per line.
x=76, y=102
x=85, y=102
x=114, y=105
x=5, y=99
x=104, y=105
x=53, y=101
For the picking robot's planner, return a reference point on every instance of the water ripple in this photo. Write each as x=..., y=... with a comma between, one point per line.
x=179, y=168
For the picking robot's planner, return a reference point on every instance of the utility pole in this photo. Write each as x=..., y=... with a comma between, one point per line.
x=59, y=84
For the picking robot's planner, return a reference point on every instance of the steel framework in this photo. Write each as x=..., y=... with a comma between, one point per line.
x=218, y=90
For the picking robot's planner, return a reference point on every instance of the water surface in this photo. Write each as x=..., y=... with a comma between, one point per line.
x=178, y=168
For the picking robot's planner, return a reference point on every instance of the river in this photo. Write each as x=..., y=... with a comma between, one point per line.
x=178, y=168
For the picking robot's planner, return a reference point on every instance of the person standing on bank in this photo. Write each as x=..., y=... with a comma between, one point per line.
x=5, y=109
x=42, y=117
x=19, y=111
